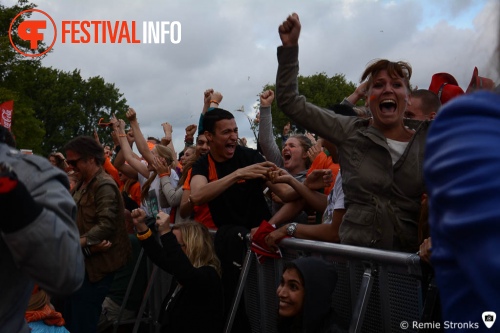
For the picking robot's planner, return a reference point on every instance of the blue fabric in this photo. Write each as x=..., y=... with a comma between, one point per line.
x=83, y=308
x=461, y=169
x=41, y=327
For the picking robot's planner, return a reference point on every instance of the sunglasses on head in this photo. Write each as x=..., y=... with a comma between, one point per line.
x=101, y=123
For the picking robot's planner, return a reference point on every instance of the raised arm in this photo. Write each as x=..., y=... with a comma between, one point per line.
x=171, y=193
x=127, y=152
x=266, y=138
x=212, y=99
x=322, y=122
x=140, y=140
x=168, y=130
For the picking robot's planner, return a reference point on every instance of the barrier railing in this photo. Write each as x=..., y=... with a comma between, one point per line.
x=376, y=291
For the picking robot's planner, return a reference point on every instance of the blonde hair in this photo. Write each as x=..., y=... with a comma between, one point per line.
x=199, y=244
x=169, y=155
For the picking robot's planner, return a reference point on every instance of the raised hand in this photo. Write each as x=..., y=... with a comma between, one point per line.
x=167, y=129
x=313, y=152
x=139, y=219
x=207, y=96
x=289, y=30
x=216, y=97
x=191, y=130
x=257, y=118
x=114, y=122
x=163, y=222
x=131, y=115
x=160, y=165
x=266, y=98
x=311, y=137
x=96, y=136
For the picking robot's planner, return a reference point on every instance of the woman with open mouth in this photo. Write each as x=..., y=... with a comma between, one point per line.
x=380, y=158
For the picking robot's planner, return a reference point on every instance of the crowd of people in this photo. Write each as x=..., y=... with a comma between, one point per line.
x=76, y=228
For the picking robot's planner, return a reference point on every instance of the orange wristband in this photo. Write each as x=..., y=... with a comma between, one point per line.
x=164, y=174
x=144, y=236
x=214, y=101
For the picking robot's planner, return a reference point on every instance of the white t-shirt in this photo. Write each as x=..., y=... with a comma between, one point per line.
x=335, y=200
x=154, y=192
x=396, y=148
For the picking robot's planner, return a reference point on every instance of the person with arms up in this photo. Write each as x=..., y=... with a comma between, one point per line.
x=195, y=302
x=381, y=158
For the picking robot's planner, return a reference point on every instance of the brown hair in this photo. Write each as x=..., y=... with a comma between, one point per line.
x=398, y=69
x=87, y=148
x=305, y=143
x=59, y=162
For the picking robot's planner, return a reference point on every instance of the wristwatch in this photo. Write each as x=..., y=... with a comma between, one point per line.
x=290, y=230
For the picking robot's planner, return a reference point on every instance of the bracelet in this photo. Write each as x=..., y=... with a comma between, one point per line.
x=144, y=236
x=122, y=135
x=164, y=174
x=214, y=101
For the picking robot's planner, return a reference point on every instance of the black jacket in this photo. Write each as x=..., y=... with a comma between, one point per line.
x=198, y=305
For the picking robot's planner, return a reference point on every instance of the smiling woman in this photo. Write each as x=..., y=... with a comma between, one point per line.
x=305, y=297
x=380, y=158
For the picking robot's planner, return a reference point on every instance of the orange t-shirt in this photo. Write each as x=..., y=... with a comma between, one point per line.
x=112, y=171
x=202, y=212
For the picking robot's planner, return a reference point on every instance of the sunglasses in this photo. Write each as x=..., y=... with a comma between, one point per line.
x=73, y=163
x=101, y=123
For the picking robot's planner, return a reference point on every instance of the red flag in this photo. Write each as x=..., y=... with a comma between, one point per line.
x=6, y=111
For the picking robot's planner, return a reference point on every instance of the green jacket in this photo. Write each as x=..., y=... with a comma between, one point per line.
x=382, y=201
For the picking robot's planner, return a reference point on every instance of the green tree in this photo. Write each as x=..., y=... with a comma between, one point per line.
x=50, y=106
x=8, y=55
x=319, y=89
x=64, y=103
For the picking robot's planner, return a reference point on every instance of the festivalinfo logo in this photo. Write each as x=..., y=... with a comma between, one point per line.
x=38, y=27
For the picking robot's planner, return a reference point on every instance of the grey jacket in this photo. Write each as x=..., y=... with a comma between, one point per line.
x=266, y=139
x=47, y=251
x=382, y=200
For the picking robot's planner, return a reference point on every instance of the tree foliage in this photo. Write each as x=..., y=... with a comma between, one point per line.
x=319, y=89
x=51, y=106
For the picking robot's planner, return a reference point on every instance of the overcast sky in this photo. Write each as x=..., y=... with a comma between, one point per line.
x=230, y=45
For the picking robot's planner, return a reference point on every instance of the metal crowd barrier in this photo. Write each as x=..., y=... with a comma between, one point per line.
x=376, y=290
